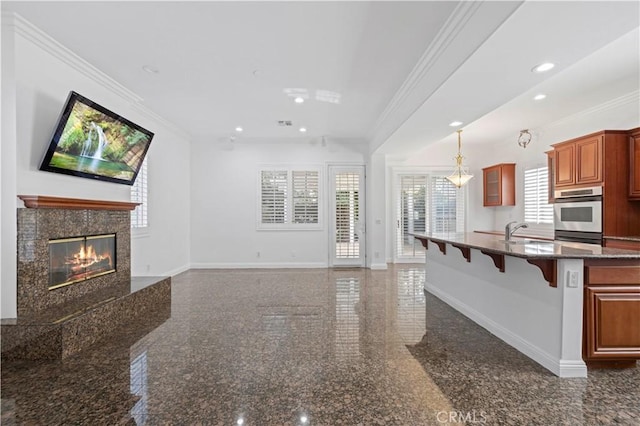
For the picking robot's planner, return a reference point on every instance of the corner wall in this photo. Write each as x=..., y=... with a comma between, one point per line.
x=45, y=72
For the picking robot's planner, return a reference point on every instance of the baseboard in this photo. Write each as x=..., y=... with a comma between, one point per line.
x=298, y=265
x=561, y=368
x=176, y=271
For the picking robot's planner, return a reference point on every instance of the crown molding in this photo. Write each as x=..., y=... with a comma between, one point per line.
x=449, y=31
x=39, y=38
x=43, y=40
x=631, y=98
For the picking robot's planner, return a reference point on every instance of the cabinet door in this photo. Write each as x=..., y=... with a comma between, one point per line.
x=550, y=175
x=634, y=170
x=589, y=160
x=565, y=173
x=613, y=322
x=492, y=186
x=622, y=244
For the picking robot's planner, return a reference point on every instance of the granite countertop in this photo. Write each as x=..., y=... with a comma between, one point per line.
x=629, y=238
x=530, y=248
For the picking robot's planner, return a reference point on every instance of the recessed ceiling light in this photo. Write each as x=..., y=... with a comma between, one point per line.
x=303, y=129
x=543, y=67
x=299, y=100
x=239, y=129
x=539, y=97
x=455, y=123
x=150, y=69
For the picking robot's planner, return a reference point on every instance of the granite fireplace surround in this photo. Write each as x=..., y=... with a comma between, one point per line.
x=56, y=323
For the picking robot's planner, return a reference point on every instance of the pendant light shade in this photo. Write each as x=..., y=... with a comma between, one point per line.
x=460, y=175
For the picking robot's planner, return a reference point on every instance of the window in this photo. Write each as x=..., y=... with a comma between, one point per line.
x=447, y=206
x=426, y=203
x=139, y=194
x=289, y=199
x=536, y=194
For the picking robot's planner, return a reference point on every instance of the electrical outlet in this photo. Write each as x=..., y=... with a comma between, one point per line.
x=572, y=279
x=376, y=254
x=257, y=254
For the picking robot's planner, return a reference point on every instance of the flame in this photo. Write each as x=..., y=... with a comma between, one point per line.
x=88, y=257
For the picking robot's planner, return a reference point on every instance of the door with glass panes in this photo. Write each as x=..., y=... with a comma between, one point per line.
x=424, y=203
x=346, y=216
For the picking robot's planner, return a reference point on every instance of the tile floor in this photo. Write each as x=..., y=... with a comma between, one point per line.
x=308, y=347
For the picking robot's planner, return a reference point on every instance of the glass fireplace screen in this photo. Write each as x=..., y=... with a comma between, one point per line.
x=77, y=259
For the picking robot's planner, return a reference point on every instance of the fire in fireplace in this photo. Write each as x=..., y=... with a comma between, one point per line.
x=77, y=259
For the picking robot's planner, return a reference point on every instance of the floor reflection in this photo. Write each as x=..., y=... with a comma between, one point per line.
x=304, y=347
x=347, y=335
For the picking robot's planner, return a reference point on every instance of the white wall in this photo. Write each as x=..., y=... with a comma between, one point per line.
x=617, y=114
x=611, y=116
x=45, y=73
x=224, y=200
x=8, y=236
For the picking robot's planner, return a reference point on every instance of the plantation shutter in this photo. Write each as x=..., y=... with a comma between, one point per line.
x=139, y=194
x=447, y=206
x=305, y=196
x=536, y=194
x=273, y=196
x=347, y=215
x=411, y=213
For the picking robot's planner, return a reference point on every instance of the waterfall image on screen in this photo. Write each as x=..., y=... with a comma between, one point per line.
x=91, y=141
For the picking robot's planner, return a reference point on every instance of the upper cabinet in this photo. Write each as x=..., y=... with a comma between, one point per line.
x=551, y=169
x=634, y=164
x=578, y=162
x=499, y=185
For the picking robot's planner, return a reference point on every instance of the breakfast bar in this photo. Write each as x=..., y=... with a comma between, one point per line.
x=565, y=305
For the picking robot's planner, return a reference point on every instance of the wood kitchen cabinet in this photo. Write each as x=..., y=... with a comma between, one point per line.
x=611, y=312
x=498, y=183
x=551, y=173
x=578, y=162
x=602, y=159
x=622, y=244
x=634, y=164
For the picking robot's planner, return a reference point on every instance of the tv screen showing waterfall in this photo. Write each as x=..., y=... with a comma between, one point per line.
x=91, y=141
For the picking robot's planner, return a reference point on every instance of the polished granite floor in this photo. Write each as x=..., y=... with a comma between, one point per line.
x=298, y=347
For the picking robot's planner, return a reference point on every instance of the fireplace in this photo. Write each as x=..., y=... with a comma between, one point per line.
x=72, y=260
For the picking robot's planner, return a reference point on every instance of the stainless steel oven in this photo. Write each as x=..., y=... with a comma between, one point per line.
x=577, y=215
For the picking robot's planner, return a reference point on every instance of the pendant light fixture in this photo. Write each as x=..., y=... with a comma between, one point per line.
x=460, y=175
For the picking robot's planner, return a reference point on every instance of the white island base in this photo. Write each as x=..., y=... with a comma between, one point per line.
x=517, y=305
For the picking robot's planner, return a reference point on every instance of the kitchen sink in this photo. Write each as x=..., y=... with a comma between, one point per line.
x=525, y=241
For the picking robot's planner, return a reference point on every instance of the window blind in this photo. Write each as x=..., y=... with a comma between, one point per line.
x=446, y=206
x=139, y=194
x=536, y=195
x=273, y=195
x=347, y=215
x=289, y=199
x=305, y=196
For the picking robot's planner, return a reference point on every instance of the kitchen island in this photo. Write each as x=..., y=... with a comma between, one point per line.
x=559, y=303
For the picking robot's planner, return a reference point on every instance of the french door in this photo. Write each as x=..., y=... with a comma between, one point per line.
x=424, y=203
x=347, y=219
x=411, y=216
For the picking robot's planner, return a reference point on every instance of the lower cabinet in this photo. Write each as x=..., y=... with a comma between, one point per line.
x=611, y=311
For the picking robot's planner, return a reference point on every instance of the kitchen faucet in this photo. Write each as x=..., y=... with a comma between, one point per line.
x=508, y=231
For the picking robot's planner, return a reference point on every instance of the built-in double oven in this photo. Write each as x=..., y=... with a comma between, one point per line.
x=577, y=215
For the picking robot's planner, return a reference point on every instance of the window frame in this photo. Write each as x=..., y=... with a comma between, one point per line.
x=143, y=174
x=288, y=225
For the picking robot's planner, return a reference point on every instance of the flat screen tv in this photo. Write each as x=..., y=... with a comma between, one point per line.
x=92, y=142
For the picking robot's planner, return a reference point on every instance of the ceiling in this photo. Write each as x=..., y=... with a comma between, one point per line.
x=393, y=74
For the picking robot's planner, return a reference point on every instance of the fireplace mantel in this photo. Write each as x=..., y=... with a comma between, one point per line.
x=47, y=202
